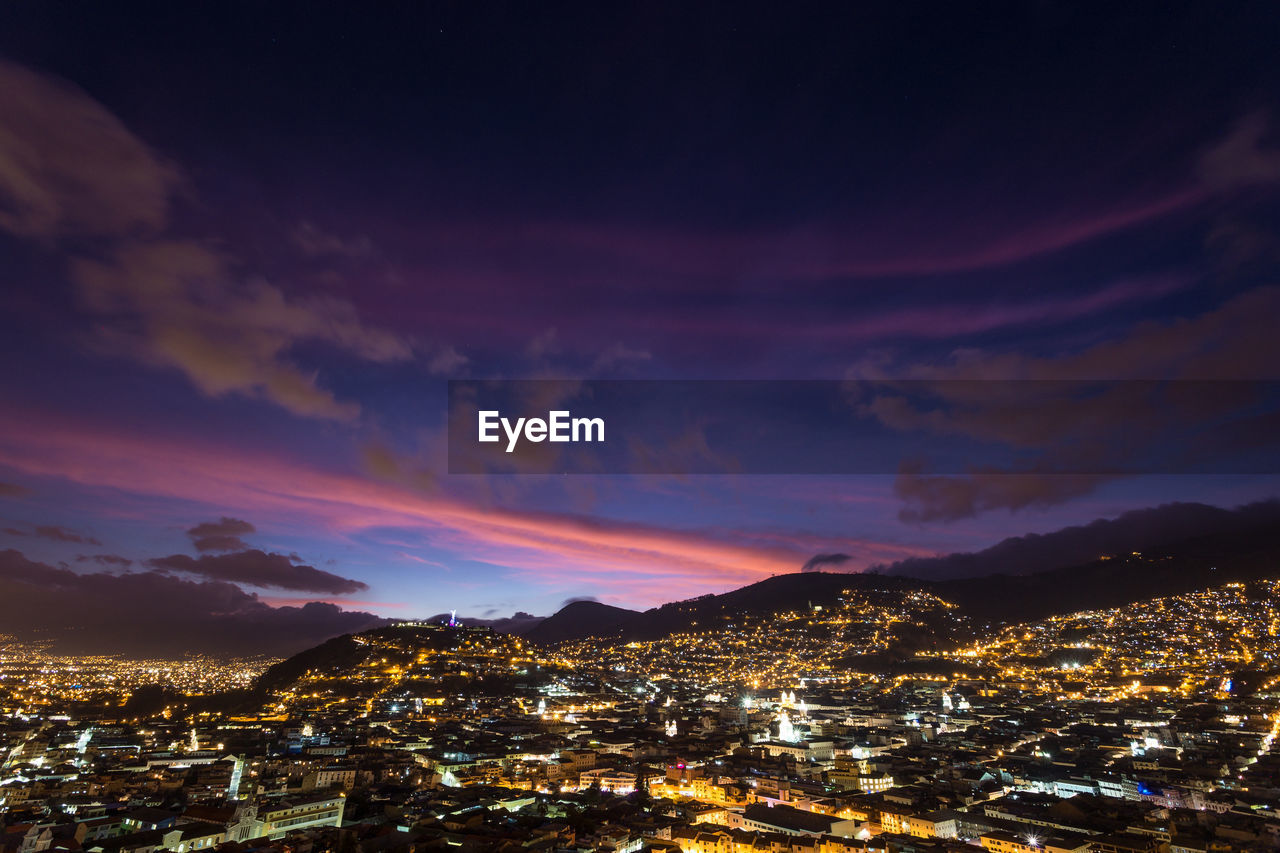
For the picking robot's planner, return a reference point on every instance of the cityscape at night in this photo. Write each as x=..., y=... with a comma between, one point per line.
x=1124, y=729
x=639, y=427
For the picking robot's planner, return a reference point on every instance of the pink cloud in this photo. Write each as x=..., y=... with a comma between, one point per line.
x=951, y=320
x=648, y=561
x=893, y=244
x=344, y=603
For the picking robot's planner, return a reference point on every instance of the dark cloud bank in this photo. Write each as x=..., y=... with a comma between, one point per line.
x=157, y=614
x=824, y=562
x=221, y=535
x=54, y=533
x=179, y=604
x=261, y=569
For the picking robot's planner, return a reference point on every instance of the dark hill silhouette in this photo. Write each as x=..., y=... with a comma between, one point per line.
x=338, y=653
x=776, y=594
x=582, y=619
x=1240, y=554
x=1137, y=530
x=1193, y=563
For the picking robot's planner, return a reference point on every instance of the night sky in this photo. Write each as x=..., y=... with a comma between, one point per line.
x=243, y=247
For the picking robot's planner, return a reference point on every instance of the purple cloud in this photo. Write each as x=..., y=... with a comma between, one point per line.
x=221, y=535
x=166, y=615
x=261, y=569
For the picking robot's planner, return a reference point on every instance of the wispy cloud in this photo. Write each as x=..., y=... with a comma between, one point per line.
x=54, y=533
x=70, y=169
x=1070, y=429
x=541, y=547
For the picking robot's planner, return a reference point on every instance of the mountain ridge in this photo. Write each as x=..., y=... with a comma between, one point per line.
x=1110, y=581
x=1196, y=562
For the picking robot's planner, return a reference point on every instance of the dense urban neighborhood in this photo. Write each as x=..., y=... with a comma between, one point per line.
x=1149, y=727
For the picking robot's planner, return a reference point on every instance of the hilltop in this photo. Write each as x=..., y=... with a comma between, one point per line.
x=1251, y=553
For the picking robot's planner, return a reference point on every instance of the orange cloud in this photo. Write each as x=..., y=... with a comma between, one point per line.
x=539, y=546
